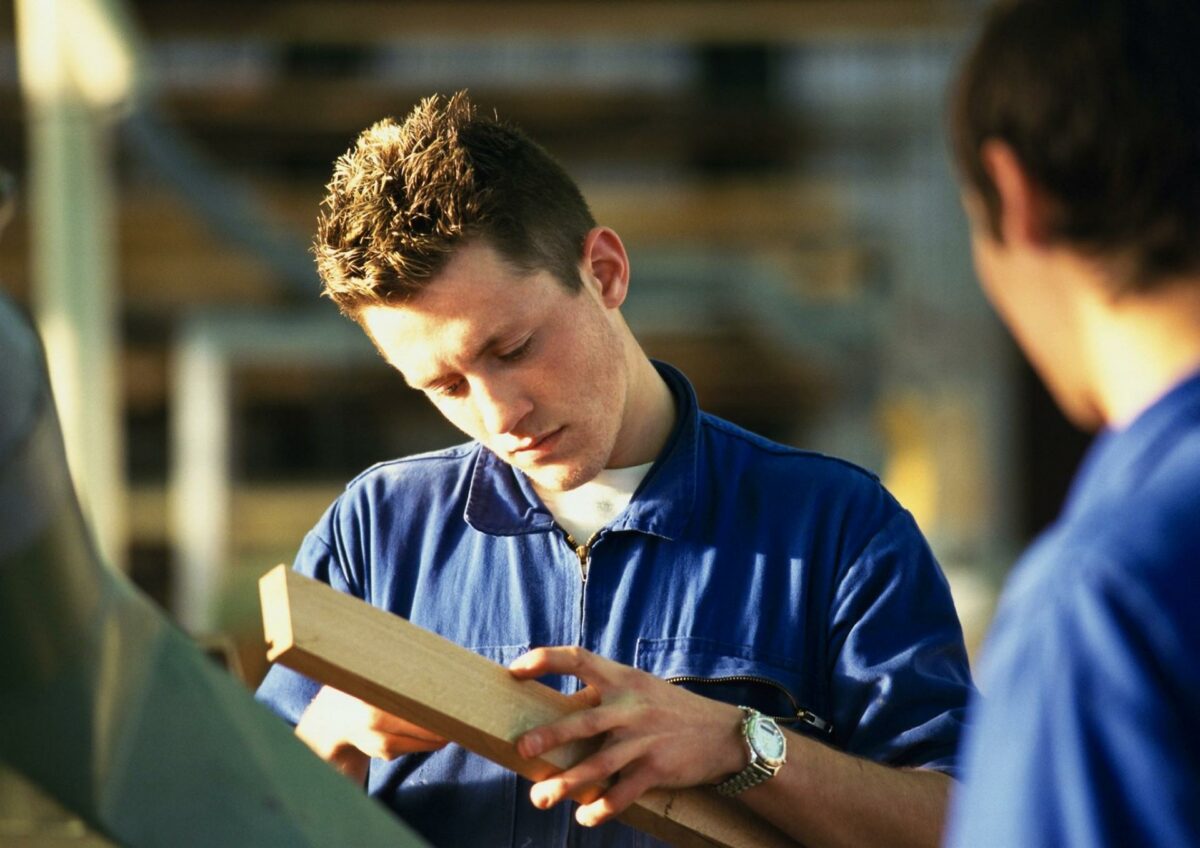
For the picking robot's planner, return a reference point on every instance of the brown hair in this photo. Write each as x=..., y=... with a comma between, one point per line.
x=1100, y=102
x=407, y=195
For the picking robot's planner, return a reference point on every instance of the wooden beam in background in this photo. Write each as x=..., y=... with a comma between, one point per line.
x=397, y=666
x=170, y=261
x=723, y=21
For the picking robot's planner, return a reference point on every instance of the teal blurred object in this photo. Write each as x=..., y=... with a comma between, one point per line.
x=109, y=708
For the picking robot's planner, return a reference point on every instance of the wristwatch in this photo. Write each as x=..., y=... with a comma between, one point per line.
x=768, y=752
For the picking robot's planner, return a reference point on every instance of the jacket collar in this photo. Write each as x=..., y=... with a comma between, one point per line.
x=1119, y=460
x=501, y=500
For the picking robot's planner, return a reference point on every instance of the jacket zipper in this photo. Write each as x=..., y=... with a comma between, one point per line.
x=584, y=554
x=802, y=715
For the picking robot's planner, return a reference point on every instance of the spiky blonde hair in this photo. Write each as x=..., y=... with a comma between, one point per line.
x=407, y=195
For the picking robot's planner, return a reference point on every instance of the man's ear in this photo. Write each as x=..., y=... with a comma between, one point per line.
x=605, y=266
x=1024, y=206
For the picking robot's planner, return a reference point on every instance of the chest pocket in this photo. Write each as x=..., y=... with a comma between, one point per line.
x=734, y=674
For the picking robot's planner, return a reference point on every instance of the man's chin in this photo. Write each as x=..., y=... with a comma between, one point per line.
x=559, y=478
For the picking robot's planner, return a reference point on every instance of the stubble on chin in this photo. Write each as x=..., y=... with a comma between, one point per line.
x=558, y=479
x=565, y=477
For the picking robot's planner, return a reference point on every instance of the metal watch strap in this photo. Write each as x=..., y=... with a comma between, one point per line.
x=751, y=775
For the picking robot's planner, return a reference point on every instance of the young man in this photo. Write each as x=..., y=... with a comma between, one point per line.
x=1077, y=131
x=602, y=530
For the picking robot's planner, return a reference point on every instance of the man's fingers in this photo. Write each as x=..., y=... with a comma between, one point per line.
x=357, y=712
x=386, y=723
x=400, y=745
x=337, y=717
x=596, y=769
x=588, y=696
x=388, y=746
x=582, y=724
x=617, y=799
x=571, y=660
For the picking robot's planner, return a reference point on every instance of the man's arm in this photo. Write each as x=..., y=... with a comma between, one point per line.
x=660, y=735
x=825, y=797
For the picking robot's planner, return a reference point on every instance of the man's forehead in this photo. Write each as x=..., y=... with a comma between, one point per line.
x=424, y=347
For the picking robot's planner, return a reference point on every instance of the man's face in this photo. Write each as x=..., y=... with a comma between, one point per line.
x=534, y=372
x=1029, y=289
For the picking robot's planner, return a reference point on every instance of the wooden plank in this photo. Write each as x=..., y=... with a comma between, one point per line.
x=343, y=642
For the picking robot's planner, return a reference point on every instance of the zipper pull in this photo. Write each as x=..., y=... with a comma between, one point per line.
x=814, y=720
x=584, y=553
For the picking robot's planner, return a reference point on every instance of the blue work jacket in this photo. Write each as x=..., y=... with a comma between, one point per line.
x=743, y=569
x=1089, y=734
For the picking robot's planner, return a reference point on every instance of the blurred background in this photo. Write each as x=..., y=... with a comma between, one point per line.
x=777, y=169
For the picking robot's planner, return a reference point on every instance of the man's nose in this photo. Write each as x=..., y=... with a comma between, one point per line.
x=502, y=406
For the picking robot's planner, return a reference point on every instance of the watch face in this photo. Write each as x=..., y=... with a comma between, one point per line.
x=768, y=740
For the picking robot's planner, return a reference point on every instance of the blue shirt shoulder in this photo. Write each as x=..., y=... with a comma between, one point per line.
x=1088, y=734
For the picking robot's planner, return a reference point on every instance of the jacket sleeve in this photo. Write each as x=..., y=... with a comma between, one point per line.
x=900, y=677
x=284, y=691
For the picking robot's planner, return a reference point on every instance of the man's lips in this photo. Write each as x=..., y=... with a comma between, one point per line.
x=538, y=445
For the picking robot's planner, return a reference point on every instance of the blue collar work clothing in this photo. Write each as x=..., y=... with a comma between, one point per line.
x=1089, y=734
x=742, y=569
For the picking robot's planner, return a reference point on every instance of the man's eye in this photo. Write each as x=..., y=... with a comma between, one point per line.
x=517, y=352
x=451, y=389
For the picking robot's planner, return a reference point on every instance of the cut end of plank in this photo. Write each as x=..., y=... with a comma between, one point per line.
x=276, y=612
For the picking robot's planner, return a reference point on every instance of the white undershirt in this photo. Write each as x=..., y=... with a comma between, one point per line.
x=585, y=509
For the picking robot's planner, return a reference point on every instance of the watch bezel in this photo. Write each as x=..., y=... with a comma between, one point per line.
x=757, y=723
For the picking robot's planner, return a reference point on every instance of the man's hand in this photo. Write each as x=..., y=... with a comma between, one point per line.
x=655, y=734
x=347, y=732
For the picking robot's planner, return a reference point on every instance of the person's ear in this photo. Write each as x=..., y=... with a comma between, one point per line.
x=1024, y=206
x=605, y=266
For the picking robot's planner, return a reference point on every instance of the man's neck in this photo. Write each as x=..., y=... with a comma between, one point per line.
x=649, y=414
x=1140, y=346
